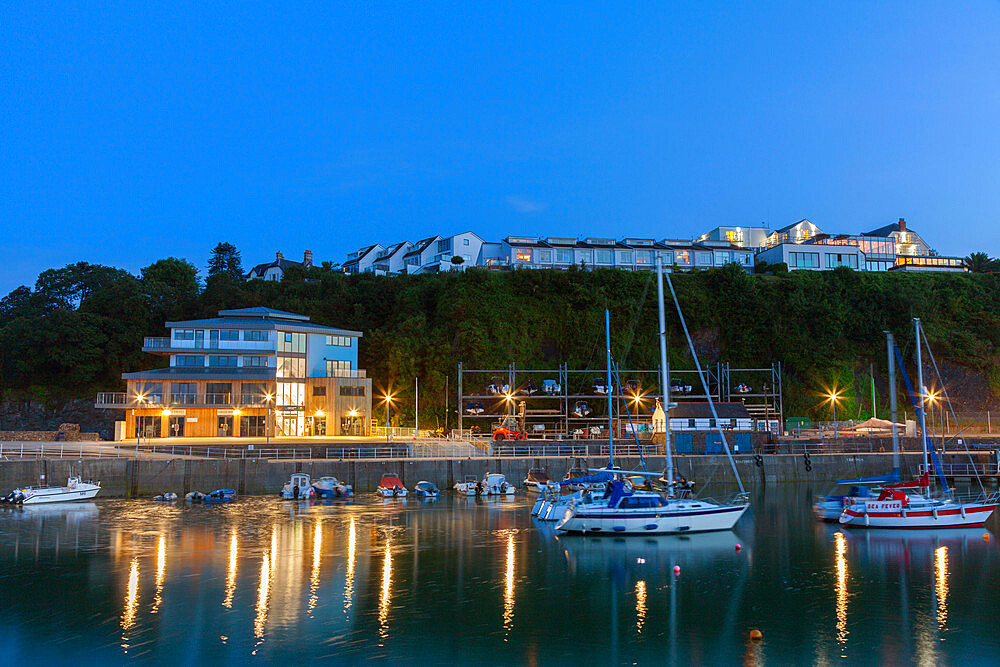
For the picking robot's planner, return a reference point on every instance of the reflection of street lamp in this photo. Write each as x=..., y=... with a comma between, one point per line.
x=388, y=401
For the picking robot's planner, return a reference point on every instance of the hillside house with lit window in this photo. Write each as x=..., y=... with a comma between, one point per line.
x=249, y=372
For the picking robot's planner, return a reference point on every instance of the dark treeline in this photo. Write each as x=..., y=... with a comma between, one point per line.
x=81, y=326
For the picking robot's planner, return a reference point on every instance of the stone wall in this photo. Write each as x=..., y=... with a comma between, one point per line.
x=66, y=432
x=145, y=478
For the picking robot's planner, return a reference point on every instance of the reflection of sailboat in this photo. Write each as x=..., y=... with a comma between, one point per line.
x=697, y=550
x=893, y=544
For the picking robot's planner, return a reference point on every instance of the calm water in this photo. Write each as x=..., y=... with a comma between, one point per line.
x=479, y=581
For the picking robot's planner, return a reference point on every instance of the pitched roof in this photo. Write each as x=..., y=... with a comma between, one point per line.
x=282, y=264
x=698, y=410
x=421, y=245
x=885, y=231
x=793, y=225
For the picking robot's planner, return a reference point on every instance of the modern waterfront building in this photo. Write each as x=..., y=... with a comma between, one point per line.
x=389, y=261
x=740, y=236
x=276, y=270
x=813, y=256
x=631, y=253
x=248, y=372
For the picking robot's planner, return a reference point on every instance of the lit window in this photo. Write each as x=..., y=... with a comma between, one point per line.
x=522, y=255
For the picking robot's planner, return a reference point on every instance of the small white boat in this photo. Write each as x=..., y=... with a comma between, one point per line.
x=537, y=480
x=331, y=487
x=426, y=489
x=298, y=487
x=75, y=490
x=390, y=486
x=165, y=497
x=492, y=484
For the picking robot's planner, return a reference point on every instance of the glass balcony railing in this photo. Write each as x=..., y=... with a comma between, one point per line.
x=218, y=399
x=156, y=343
x=346, y=373
x=183, y=399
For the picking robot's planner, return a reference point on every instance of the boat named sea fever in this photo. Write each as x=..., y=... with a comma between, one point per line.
x=75, y=489
x=913, y=504
x=848, y=492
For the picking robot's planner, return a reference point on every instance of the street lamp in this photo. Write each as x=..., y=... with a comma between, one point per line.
x=267, y=419
x=833, y=398
x=388, y=401
x=139, y=398
x=352, y=414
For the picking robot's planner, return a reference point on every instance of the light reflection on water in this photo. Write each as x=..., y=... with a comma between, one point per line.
x=477, y=580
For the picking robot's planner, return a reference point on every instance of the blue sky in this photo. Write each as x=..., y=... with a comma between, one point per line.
x=135, y=132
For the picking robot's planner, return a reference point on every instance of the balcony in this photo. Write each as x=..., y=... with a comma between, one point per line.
x=161, y=345
x=118, y=399
x=343, y=373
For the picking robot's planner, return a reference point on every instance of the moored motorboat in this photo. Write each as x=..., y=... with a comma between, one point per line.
x=390, y=486
x=425, y=489
x=194, y=496
x=75, y=490
x=537, y=480
x=331, y=487
x=492, y=484
x=220, y=496
x=299, y=486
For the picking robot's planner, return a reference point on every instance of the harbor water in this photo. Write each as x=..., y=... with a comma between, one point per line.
x=481, y=582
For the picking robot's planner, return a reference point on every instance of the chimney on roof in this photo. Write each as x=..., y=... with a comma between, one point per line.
x=279, y=256
x=307, y=258
x=902, y=225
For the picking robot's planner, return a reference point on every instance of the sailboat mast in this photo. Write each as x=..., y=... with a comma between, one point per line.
x=890, y=344
x=664, y=376
x=920, y=388
x=611, y=433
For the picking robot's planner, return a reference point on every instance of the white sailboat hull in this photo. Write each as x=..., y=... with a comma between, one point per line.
x=889, y=514
x=675, y=518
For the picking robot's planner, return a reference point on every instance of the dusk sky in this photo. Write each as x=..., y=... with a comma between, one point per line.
x=133, y=132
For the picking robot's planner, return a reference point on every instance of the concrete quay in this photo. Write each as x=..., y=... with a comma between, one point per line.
x=143, y=478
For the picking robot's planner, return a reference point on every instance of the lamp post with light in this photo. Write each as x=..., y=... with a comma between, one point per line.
x=834, y=397
x=352, y=414
x=267, y=419
x=388, y=401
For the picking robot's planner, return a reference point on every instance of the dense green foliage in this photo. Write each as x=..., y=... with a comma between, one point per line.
x=82, y=325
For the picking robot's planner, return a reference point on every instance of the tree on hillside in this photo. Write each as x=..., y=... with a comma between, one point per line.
x=980, y=262
x=225, y=260
x=170, y=287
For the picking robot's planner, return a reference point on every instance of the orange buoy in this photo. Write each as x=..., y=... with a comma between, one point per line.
x=756, y=635
x=986, y=537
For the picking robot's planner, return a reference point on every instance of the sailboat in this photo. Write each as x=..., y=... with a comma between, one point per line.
x=623, y=511
x=911, y=504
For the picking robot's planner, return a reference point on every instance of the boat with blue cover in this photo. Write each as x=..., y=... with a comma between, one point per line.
x=426, y=489
x=220, y=496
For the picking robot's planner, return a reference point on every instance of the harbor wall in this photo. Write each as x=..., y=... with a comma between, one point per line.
x=147, y=477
